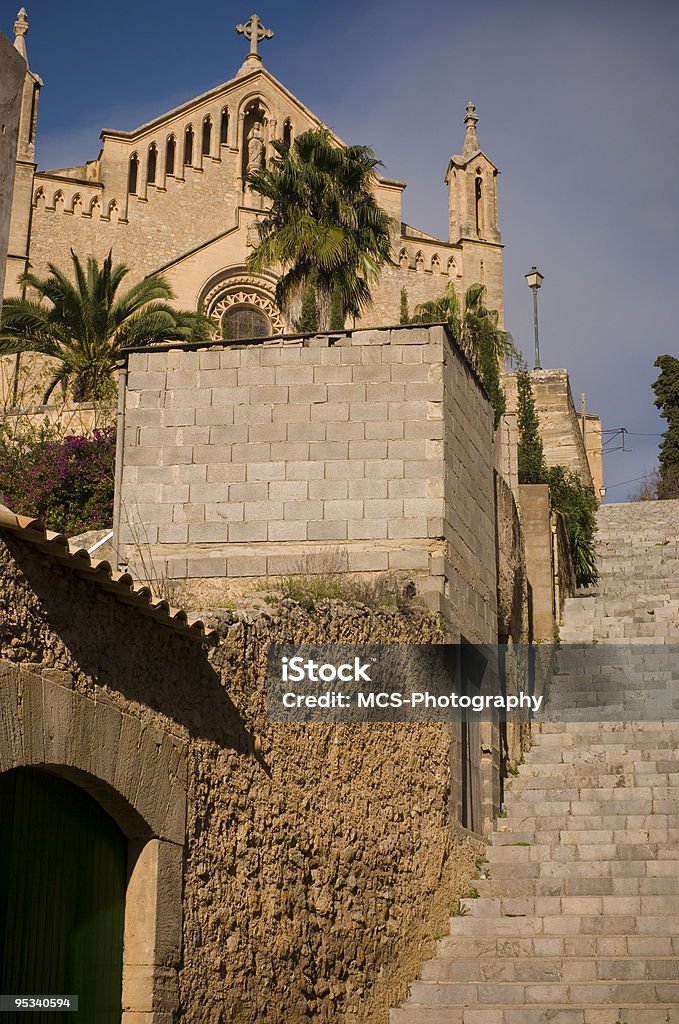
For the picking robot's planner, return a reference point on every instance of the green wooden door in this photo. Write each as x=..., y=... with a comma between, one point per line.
x=62, y=898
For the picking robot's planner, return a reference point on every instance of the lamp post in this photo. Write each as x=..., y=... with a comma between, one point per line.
x=535, y=279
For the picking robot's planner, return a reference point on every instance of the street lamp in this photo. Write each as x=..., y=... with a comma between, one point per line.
x=535, y=279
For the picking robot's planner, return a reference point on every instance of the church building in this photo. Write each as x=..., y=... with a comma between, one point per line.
x=171, y=197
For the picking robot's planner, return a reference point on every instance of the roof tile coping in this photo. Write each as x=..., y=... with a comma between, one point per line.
x=100, y=572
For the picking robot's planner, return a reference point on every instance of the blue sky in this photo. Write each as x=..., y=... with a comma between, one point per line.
x=578, y=107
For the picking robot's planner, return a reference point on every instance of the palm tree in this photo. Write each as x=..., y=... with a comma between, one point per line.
x=323, y=225
x=85, y=324
x=475, y=328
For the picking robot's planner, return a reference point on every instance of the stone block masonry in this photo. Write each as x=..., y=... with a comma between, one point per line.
x=370, y=450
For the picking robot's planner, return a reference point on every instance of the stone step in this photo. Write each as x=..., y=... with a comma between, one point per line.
x=527, y=819
x=503, y=994
x=585, y=837
x=619, y=774
x=551, y=969
x=459, y=947
x=550, y=1014
x=565, y=924
x=608, y=885
x=561, y=853
x=539, y=906
x=567, y=868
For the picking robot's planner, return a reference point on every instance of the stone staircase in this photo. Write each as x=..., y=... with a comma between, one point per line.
x=575, y=918
x=637, y=598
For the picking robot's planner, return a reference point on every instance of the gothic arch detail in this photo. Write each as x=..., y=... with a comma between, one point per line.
x=242, y=290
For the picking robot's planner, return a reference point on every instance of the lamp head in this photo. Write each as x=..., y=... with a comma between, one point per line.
x=535, y=278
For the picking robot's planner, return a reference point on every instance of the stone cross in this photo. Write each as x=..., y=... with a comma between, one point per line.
x=255, y=32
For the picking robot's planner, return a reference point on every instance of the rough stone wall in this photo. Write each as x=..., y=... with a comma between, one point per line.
x=319, y=861
x=12, y=73
x=373, y=448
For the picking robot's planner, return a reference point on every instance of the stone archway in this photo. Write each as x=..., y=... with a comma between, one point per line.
x=137, y=774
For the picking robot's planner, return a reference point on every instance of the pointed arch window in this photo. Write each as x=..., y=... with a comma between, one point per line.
x=152, y=164
x=188, y=146
x=478, y=195
x=133, y=176
x=287, y=132
x=207, y=136
x=224, y=127
x=170, y=154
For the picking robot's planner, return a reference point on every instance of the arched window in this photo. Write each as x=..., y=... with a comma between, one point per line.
x=188, y=146
x=95, y=208
x=478, y=193
x=287, y=132
x=419, y=261
x=452, y=266
x=207, y=136
x=170, y=154
x=152, y=164
x=224, y=127
x=245, y=321
x=77, y=205
x=133, y=175
x=113, y=212
x=403, y=259
x=40, y=199
x=435, y=264
x=59, y=201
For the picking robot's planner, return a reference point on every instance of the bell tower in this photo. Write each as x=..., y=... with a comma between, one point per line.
x=22, y=205
x=472, y=214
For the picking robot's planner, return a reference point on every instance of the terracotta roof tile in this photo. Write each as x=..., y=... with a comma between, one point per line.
x=99, y=571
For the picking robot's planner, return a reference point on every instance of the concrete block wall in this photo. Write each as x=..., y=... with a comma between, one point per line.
x=365, y=451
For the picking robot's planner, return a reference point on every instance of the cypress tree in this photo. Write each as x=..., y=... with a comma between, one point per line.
x=666, y=389
x=337, y=314
x=309, y=318
x=532, y=467
x=405, y=312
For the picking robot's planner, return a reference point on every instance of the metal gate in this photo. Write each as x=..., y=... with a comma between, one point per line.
x=62, y=898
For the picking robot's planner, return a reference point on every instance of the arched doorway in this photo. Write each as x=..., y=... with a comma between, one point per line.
x=63, y=867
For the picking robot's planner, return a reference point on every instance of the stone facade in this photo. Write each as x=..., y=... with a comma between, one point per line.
x=278, y=872
x=170, y=196
x=12, y=75
x=561, y=427
x=259, y=460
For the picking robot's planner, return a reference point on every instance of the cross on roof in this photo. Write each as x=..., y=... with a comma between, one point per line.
x=255, y=32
